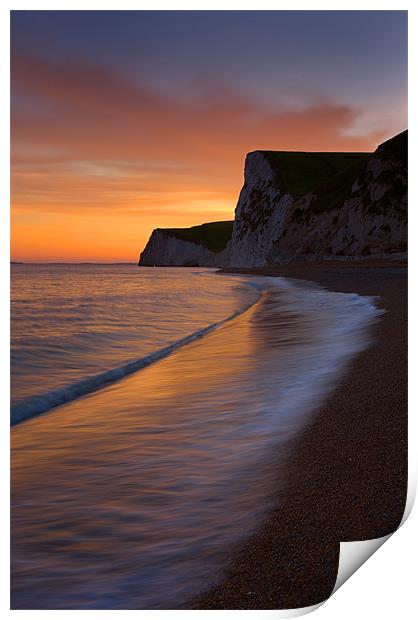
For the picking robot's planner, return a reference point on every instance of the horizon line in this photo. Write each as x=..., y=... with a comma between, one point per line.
x=56, y=262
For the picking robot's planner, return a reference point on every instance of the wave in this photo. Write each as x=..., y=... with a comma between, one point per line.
x=36, y=405
x=195, y=463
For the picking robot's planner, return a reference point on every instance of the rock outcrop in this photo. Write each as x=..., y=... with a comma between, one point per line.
x=198, y=246
x=301, y=206
x=306, y=206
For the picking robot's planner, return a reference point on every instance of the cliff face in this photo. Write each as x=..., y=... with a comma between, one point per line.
x=262, y=208
x=166, y=251
x=187, y=247
x=315, y=205
x=301, y=206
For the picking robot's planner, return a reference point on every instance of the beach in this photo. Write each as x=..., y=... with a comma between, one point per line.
x=347, y=471
x=241, y=459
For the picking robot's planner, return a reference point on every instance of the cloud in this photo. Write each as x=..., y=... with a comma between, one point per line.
x=95, y=111
x=87, y=138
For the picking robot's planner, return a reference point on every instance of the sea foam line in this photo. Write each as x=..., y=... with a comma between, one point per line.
x=36, y=405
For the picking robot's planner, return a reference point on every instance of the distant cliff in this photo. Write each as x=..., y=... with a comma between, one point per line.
x=302, y=206
x=187, y=247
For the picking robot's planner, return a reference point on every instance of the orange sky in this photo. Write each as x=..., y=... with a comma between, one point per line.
x=95, y=190
x=100, y=158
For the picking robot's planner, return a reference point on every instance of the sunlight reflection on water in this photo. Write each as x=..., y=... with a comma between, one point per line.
x=133, y=496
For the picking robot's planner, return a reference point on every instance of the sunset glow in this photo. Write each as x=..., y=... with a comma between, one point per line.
x=152, y=130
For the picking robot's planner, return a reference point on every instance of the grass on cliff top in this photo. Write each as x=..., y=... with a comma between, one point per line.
x=337, y=189
x=301, y=173
x=396, y=148
x=213, y=236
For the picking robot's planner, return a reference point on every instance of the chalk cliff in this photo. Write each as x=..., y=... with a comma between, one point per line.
x=187, y=247
x=301, y=206
x=321, y=205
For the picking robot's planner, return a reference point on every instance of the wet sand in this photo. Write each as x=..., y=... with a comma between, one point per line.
x=347, y=472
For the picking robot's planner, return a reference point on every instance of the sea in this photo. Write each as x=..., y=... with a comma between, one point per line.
x=152, y=412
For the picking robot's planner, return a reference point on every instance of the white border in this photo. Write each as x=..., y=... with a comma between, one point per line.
x=385, y=585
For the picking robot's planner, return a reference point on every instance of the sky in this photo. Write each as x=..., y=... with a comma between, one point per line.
x=126, y=121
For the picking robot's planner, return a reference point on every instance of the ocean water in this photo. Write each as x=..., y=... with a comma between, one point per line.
x=74, y=327
x=153, y=408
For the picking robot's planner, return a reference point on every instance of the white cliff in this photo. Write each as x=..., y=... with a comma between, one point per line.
x=358, y=210
x=199, y=246
x=167, y=251
x=262, y=208
x=301, y=206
